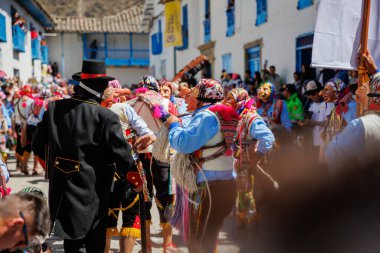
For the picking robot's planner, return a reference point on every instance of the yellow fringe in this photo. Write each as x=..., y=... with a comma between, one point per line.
x=130, y=232
x=164, y=225
x=112, y=231
x=132, y=204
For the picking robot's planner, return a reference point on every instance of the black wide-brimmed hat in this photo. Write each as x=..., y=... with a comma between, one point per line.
x=92, y=70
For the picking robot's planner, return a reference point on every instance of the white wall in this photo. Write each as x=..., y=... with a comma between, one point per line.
x=127, y=75
x=285, y=24
x=72, y=52
x=24, y=62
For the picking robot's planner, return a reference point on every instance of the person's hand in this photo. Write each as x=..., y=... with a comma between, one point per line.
x=10, y=132
x=171, y=120
x=368, y=62
x=361, y=95
x=144, y=141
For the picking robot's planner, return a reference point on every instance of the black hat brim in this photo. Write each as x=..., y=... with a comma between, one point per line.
x=77, y=77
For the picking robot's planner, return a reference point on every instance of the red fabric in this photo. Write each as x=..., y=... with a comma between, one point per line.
x=134, y=178
x=42, y=162
x=87, y=76
x=34, y=34
x=226, y=112
x=137, y=222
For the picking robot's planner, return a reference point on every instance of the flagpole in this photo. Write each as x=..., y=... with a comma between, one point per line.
x=363, y=72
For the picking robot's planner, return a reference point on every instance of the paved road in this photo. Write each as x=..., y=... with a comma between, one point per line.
x=19, y=181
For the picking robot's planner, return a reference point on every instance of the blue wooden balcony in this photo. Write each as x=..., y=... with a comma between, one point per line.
x=3, y=29
x=36, y=49
x=117, y=57
x=44, y=54
x=207, y=30
x=230, y=22
x=18, y=37
x=120, y=57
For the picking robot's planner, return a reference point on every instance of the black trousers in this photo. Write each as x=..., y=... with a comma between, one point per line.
x=93, y=242
x=159, y=177
x=207, y=221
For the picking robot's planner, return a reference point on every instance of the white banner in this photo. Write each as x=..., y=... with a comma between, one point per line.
x=337, y=33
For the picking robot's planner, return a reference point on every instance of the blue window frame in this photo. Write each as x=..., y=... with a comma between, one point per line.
x=207, y=22
x=18, y=38
x=230, y=19
x=185, y=29
x=262, y=12
x=253, y=58
x=302, y=4
x=45, y=54
x=36, y=49
x=156, y=41
x=227, y=62
x=304, y=47
x=3, y=28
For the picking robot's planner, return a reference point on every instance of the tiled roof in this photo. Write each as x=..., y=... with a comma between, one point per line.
x=126, y=21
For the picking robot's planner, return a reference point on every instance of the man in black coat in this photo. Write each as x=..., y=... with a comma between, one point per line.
x=82, y=145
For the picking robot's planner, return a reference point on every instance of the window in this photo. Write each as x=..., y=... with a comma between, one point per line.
x=302, y=4
x=262, y=12
x=207, y=22
x=18, y=31
x=185, y=29
x=230, y=18
x=3, y=29
x=253, y=55
x=227, y=62
x=156, y=41
x=304, y=46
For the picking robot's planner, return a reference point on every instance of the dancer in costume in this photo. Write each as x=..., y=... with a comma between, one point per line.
x=34, y=111
x=358, y=145
x=273, y=111
x=336, y=91
x=124, y=199
x=157, y=173
x=166, y=89
x=253, y=141
x=21, y=101
x=203, y=167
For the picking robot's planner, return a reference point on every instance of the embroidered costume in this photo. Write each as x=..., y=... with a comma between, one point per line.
x=124, y=199
x=203, y=168
x=253, y=140
x=158, y=174
x=358, y=145
x=273, y=111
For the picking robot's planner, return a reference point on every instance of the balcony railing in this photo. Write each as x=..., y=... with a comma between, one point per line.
x=3, y=28
x=230, y=22
x=120, y=57
x=207, y=27
x=45, y=54
x=36, y=49
x=18, y=36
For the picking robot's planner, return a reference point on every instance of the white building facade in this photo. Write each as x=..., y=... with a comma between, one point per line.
x=238, y=35
x=20, y=54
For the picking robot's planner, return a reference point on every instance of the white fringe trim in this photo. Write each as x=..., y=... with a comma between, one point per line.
x=161, y=148
x=183, y=172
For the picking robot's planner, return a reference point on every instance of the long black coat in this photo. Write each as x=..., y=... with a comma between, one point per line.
x=82, y=144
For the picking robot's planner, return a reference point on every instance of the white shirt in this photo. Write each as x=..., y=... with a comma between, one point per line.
x=320, y=111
